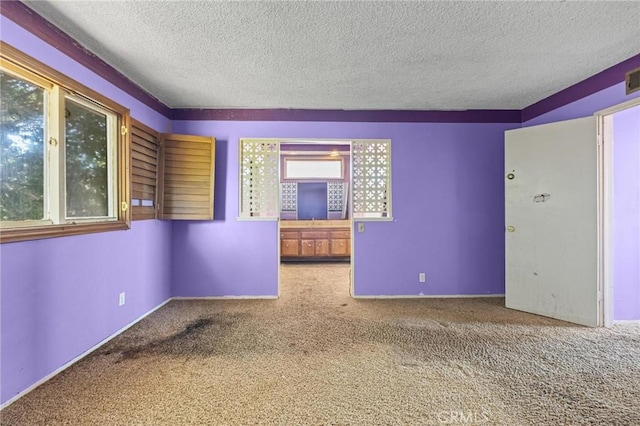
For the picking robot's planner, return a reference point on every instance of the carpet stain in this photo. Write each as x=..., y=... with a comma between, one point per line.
x=203, y=337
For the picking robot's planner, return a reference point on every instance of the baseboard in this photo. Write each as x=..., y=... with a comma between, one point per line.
x=626, y=322
x=224, y=297
x=430, y=296
x=79, y=357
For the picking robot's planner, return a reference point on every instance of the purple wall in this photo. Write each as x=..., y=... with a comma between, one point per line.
x=586, y=106
x=448, y=202
x=626, y=216
x=59, y=297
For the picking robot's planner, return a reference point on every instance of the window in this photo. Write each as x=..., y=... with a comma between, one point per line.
x=63, y=154
x=314, y=169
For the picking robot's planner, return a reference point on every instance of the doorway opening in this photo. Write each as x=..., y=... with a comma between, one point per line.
x=619, y=133
x=315, y=216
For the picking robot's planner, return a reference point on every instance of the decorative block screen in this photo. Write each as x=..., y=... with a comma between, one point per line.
x=259, y=178
x=335, y=196
x=289, y=197
x=371, y=178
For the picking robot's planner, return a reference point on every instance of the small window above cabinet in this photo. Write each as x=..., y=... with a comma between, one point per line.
x=313, y=168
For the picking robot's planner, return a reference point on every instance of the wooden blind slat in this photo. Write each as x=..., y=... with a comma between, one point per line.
x=139, y=156
x=144, y=150
x=185, y=178
x=144, y=173
x=179, y=152
x=143, y=213
x=143, y=180
x=186, y=197
x=186, y=145
x=187, y=190
x=188, y=208
x=188, y=164
x=137, y=164
x=186, y=171
x=140, y=141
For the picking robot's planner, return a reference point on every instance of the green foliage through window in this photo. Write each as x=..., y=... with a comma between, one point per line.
x=21, y=149
x=86, y=163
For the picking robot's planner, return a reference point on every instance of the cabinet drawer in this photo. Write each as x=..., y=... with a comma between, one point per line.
x=340, y=247
x=308, y=248
x=289, y=247
x=341, y=234
x=322, y=247
x=314, y=235
x=289, y=235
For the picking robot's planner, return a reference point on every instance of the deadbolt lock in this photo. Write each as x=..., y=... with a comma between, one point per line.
x=510, y=176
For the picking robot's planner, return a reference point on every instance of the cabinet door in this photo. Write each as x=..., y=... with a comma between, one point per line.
x=339, y=247
x=308, y=248
x=322, y=247
x=289, y=248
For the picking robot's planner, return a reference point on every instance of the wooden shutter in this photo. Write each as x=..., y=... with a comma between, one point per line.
x=187, y=177
x=144, y=171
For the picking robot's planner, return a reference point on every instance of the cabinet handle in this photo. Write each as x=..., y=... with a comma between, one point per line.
x=319, y=243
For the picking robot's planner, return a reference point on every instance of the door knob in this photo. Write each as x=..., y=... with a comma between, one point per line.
x=511, y=228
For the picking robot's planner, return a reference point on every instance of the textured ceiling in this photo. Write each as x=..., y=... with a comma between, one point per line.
x=352, y=55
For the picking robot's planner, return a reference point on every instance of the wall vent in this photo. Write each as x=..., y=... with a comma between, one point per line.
x=632, y=81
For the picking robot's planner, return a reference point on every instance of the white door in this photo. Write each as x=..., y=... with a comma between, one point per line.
x=551, y=219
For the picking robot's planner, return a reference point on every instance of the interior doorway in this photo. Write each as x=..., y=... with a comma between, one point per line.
x=315, y=214
x=564, y=258
x=619, y=128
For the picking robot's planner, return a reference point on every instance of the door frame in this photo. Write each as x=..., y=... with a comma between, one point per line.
x=604, y=121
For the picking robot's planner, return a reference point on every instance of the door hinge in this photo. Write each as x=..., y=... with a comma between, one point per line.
x=123, y=130
x=125, y=206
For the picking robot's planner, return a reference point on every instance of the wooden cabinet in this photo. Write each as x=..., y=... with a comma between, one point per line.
x=289, y=244
x=341, y=243
x=319, y=240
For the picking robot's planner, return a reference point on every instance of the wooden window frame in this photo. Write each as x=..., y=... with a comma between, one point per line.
x=22, y=64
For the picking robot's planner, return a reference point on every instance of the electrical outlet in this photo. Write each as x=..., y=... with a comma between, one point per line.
x=422, y=277
x=121, y=300
x=360, y=227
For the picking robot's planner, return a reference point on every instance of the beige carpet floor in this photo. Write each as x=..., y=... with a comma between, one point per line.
x=318, y=357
